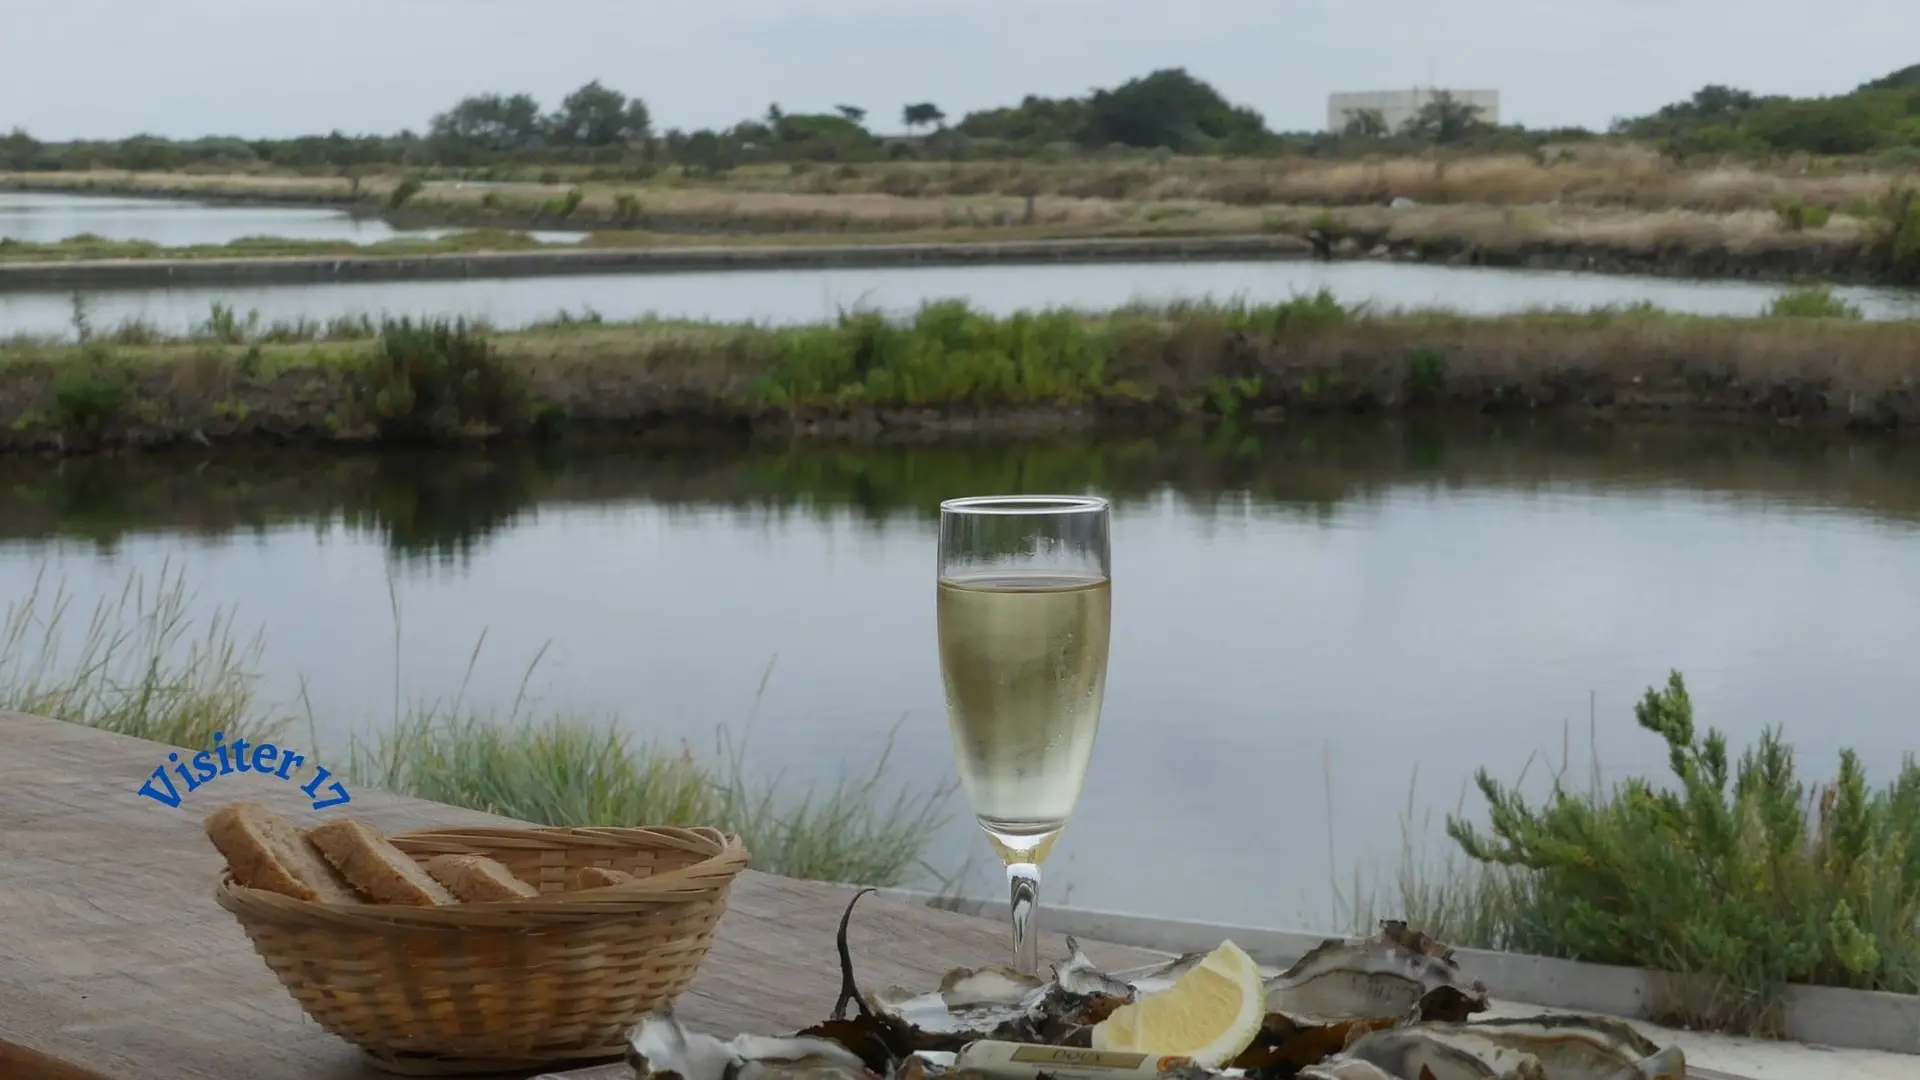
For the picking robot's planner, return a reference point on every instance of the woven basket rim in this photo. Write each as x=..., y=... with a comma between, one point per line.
x=724, y=857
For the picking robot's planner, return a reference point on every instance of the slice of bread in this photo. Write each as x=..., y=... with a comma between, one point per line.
x=476, y=878
x=373, y=866
x=265, y=851
x=597, y=877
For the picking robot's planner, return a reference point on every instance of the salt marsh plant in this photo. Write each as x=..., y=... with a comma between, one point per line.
x=1733, y=870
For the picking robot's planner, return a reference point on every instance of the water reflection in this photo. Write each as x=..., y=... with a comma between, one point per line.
x=443, y=505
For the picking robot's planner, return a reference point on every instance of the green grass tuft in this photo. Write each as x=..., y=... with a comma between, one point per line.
x=1817, y=302
x=141, y=665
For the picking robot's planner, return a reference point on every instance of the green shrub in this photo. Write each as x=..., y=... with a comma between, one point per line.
x=1426, y=372
x=947, y=353
x=1816, y=302
x=1736, y=871
x=1896, y=234
x=438, y=380
x=1795, y=215
x=406, y=189
x=91, y=394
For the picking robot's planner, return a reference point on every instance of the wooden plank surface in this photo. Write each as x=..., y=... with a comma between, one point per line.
x=116, y=964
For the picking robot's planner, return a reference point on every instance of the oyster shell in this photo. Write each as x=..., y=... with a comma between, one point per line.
x=1393, y=974
x=1345, y=1069
x=1529, y=1048
x=1078, y=977
x=969, y=1001
x=983, y=1001
x=659, y=1048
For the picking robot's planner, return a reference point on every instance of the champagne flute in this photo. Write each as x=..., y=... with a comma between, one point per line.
x=1025, y=602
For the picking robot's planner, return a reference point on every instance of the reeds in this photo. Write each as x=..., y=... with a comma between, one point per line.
x=144, y=664
x=140, y=663
x=1598, y=194
x=1598, y=174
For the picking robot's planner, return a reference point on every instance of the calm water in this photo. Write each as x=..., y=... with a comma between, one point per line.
x=1302, y=620
x=789, y=296
x=46, y=218
x=795, y=296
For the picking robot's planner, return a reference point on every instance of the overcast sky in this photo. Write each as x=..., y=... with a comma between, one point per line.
x=109, y=68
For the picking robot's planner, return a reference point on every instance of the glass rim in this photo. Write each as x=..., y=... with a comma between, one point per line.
x=1026, y=504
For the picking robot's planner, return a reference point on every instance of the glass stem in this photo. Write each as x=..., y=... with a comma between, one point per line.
x=1023, y=880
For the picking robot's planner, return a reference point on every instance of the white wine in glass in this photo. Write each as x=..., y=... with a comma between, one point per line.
x=1024, y=606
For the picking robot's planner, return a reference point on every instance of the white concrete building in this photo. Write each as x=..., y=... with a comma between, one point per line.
x=1397, y=107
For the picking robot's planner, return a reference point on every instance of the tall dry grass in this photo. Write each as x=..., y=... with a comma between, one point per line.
x=1082, y=193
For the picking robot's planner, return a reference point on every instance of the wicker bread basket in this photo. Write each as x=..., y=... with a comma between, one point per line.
x=510, y=985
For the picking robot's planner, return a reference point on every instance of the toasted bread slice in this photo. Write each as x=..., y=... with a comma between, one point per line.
x=597, y=877
x=265, y=851
x=476, y=878
x=374, y=867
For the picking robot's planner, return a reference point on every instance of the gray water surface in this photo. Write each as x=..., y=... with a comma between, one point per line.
x=1303, y=621
x=800, y=296
x=45, y=218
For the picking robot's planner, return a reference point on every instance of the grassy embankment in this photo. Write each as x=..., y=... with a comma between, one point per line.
x=140, y=664
x=1735, y=871
x=947, y=368
x=1618, y=210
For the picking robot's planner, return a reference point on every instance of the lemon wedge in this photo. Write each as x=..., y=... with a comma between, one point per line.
x=1210, y=1015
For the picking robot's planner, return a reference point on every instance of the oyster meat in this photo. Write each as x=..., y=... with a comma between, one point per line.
x=660, y=1048
x=1396, y=973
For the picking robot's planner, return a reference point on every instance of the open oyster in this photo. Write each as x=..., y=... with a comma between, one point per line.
x=659, y=1048
x=1397, y=972
x=1001, y=1003
x=1529, y=1048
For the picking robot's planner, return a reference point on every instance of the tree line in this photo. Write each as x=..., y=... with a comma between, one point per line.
x=1880, y=116
x=1168, y=111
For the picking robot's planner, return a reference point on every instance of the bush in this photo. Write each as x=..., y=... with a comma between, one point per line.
x=1817, y=302
x=1736, y=872
x=90, y=395
x=438, y=380
x=1896, y=234
x=406, y=189
x=1795, y=216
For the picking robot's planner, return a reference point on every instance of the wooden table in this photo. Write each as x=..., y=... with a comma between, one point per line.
x=116, y=964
